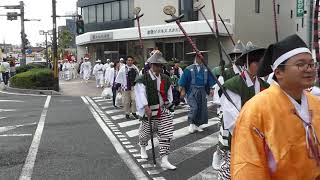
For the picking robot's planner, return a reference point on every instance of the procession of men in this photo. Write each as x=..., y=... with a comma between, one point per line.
x=267, y=100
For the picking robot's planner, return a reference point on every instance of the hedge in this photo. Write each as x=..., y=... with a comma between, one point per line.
x=27, y=67
x=33, y=79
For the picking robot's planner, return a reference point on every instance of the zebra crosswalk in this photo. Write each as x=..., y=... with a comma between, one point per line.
x=191, y=153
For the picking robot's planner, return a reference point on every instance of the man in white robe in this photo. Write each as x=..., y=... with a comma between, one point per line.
x=98, y=70
x=86, y=69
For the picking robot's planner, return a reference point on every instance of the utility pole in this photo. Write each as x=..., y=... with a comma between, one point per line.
x=23, y=38
x=54, y=46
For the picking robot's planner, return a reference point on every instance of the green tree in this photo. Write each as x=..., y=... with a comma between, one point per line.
x=64, y=40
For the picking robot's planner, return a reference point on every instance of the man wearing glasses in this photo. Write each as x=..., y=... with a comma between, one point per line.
x=277, y=131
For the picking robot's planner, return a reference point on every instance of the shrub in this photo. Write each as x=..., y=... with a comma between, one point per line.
x=33, y=79
x=27, y=67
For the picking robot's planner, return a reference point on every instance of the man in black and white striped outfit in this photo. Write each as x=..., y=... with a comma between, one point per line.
x=154, y=98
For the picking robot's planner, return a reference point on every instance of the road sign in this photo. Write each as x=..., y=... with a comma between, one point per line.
x=29, y=51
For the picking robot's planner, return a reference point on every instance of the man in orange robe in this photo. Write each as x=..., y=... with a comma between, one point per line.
x=277, y=132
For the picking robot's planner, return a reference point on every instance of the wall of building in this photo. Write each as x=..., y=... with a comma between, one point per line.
x=288, y=25
x=259, y=27
x=252, y=26
x=225, y=8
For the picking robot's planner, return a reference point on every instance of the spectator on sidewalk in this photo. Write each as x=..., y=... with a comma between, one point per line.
x=6, y=69
x=12, y=68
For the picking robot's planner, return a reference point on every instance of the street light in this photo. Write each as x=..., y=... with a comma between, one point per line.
x=46, y=33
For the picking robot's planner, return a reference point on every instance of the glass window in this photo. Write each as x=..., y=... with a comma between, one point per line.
x=85, y=15
x=92, y=14
x=107, y=12
x=100, y=13
x=115, y=10
x=131, y=7
x=124, y=9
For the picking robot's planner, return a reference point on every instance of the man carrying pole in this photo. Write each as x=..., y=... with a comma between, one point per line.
x=136, y=12
x=154, y=104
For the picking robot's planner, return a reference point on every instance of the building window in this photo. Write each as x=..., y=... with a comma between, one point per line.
x=85, y=15
x=257, y=6
x=186, y=8
x=92, y=14
x=100, y=13
x=131, y=7
x=107, y=12
x=124, y=9
x=115, y=10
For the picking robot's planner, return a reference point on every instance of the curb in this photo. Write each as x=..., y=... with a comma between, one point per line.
x=31, y=91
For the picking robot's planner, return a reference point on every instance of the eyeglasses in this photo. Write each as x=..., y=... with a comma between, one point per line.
x=304, y=66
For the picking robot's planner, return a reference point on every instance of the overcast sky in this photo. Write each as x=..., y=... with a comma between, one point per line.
x=34, y=9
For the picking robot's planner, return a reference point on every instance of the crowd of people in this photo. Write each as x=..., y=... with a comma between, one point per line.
x=267, y=101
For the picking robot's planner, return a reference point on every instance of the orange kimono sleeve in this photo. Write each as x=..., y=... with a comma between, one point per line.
x=248, y=156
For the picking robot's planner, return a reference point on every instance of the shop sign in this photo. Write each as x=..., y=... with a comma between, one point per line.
x=163, y=31
x=101, y=36
x=300, y=8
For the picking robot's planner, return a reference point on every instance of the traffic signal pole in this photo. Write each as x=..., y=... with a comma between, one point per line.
x=23, y=38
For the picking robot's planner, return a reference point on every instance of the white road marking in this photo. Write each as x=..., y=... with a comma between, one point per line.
x=14, y=135
x=159, y=178
x=129, y=123
x=208, y=173
x=129, y=146
x=126, y=142
x=141, y=160
x=135, y=122
x=135, y=132
x=103, y=100
x=7, y=110
x=133, y=150
x=135, y=169
x=117, y=117
x=18, y=101
x=33, y=150
x=190, y=150
x=147, y=165
x=184, y=132
x=113, y=111
x=20, y=94
x=136, y=155
x=94, y=98
x=8, y=128
x=153, y=172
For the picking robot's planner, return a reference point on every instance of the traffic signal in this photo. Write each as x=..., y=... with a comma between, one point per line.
x=80, y=26
x=12, y=16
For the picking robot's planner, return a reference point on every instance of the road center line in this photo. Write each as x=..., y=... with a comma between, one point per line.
x=134, y=168
x=33, y=150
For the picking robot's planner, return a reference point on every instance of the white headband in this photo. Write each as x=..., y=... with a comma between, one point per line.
x=288, y=55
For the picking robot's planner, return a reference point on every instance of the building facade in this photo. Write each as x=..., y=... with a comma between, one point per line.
x=111, y=33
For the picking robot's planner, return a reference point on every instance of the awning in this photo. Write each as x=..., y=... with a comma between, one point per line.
x=193, y=28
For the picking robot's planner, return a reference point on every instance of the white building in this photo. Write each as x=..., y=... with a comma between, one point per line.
x=111, y=33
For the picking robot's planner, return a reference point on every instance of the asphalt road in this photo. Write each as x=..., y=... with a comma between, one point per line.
x=64, y=137
x=72, y=144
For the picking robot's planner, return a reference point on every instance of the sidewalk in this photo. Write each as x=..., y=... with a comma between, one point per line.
x=76, y=88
